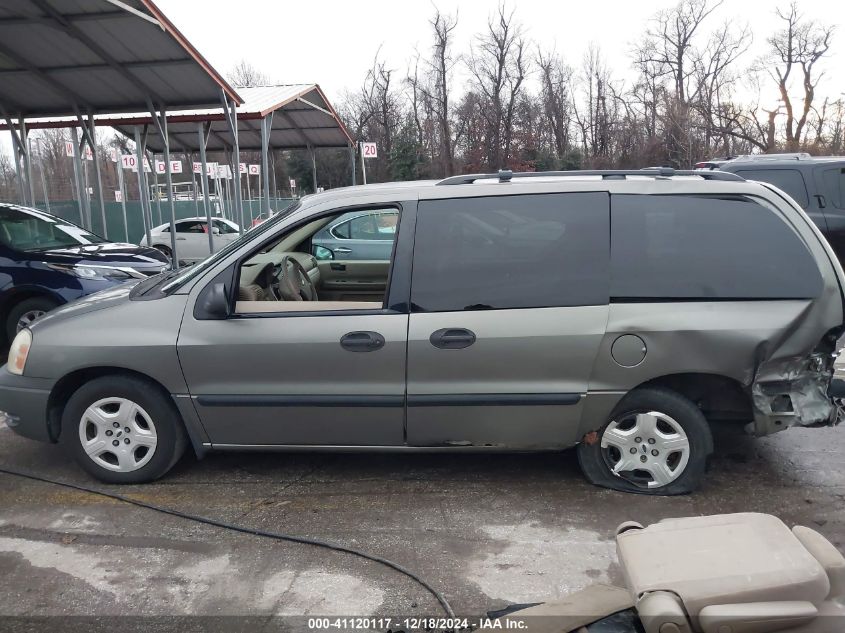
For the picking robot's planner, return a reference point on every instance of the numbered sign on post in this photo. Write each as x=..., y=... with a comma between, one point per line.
x=113, y=155
x=369, y=150
x=176, y=167
x=292, y=183
x=196, y=168
x=254, y=170
x=129, y=161
x=89, y=155
x=69, y=149
x=160, y=169
x=118, y=195
x=242, y=168
x=211, y=169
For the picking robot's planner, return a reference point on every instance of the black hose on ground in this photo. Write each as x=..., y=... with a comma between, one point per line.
x=245, y=530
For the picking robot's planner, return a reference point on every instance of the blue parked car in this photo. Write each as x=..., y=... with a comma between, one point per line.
x=46, y=261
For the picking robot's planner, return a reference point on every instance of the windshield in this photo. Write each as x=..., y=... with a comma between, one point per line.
x=31, y=230
x=204, y=265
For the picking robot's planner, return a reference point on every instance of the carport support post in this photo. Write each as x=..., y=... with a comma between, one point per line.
x=273, y=172
x=27, y=160
x=92, y=140
x=266, y=122
x=313, y=167
x=119, y=167
x=168, y=177
x=143, y=191
x=194, y=183
x=232, y=118
x=16, y=154
x=352, y=164
x=154, y=170
x=249, y=197
x=77, y=170
x=43, y=177
x=204, y=182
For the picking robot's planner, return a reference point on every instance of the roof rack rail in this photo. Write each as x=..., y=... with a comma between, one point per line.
x=780, y=156
x=506, y=175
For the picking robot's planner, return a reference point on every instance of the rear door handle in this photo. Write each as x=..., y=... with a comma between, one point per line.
x=362, y=341
x=342, y=249
x=452, y=338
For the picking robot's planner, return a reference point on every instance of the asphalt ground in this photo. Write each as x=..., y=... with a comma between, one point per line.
x=486, y=530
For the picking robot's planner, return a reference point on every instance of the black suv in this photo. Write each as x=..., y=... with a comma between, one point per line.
x=815, y=183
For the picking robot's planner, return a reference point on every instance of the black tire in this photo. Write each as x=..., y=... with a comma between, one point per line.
x=594, y=461
x=170, y=432
x=165, y=250
x=35, y=304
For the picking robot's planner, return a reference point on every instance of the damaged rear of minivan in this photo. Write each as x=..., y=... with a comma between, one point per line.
x=731, y=300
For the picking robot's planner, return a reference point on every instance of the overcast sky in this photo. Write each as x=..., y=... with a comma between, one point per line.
x=333, y=42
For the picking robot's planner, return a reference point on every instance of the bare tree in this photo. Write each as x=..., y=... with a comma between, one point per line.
x=498, y=65
x=798, y=47
x=245, y=75
x=556, y=99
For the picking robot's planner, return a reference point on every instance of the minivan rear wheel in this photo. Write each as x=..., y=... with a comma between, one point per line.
x=123, y=430
x=655, y=442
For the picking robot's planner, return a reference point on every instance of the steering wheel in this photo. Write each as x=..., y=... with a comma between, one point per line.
x=292, y=283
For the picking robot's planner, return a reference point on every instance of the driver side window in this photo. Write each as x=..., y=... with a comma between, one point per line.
x=311, y=268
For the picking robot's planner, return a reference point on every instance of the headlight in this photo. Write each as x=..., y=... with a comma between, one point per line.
x=97, y=272
x=19, y=351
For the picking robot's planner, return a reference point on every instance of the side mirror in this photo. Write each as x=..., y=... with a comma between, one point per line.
x=322, y=253
x=215, y=302
x=215, y=230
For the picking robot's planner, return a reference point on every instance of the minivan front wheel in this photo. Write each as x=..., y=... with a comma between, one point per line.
x=122, y=429
x=656, y=442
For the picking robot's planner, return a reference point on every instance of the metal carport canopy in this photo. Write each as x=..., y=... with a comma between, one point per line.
x=302, y=118
x=66, y=57
x=88, y=57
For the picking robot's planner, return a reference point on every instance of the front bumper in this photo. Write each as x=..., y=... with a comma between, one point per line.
x=23, y=404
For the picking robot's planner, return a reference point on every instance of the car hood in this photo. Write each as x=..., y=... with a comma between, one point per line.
x=107, y=254
x=90, y=303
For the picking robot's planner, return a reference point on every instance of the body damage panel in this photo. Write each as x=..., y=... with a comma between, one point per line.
x=765, y=346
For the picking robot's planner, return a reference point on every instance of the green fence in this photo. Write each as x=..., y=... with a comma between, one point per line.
x=69, y=210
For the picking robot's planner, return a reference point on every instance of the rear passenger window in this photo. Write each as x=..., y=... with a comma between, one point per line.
x=511, y=252
x=706, y=247
x=790, y=181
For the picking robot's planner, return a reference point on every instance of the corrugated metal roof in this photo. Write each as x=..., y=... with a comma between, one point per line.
x=302, y=117
x=100, y=56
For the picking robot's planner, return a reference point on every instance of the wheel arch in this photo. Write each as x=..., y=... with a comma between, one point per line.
x=15, y=295
x=719, y=397
x=69, y=383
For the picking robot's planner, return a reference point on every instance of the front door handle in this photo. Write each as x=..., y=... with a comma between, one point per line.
x=342, y=249
x=362, y=341
x=452, y=338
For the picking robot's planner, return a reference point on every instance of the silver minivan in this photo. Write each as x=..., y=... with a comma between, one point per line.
x=621, y=312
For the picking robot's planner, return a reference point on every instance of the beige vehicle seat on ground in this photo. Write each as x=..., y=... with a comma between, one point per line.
x=733, y=573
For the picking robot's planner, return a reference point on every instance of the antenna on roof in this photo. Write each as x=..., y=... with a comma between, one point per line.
x=505, y=175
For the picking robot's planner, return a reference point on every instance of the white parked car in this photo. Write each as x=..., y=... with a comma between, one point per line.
x=192, y=237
